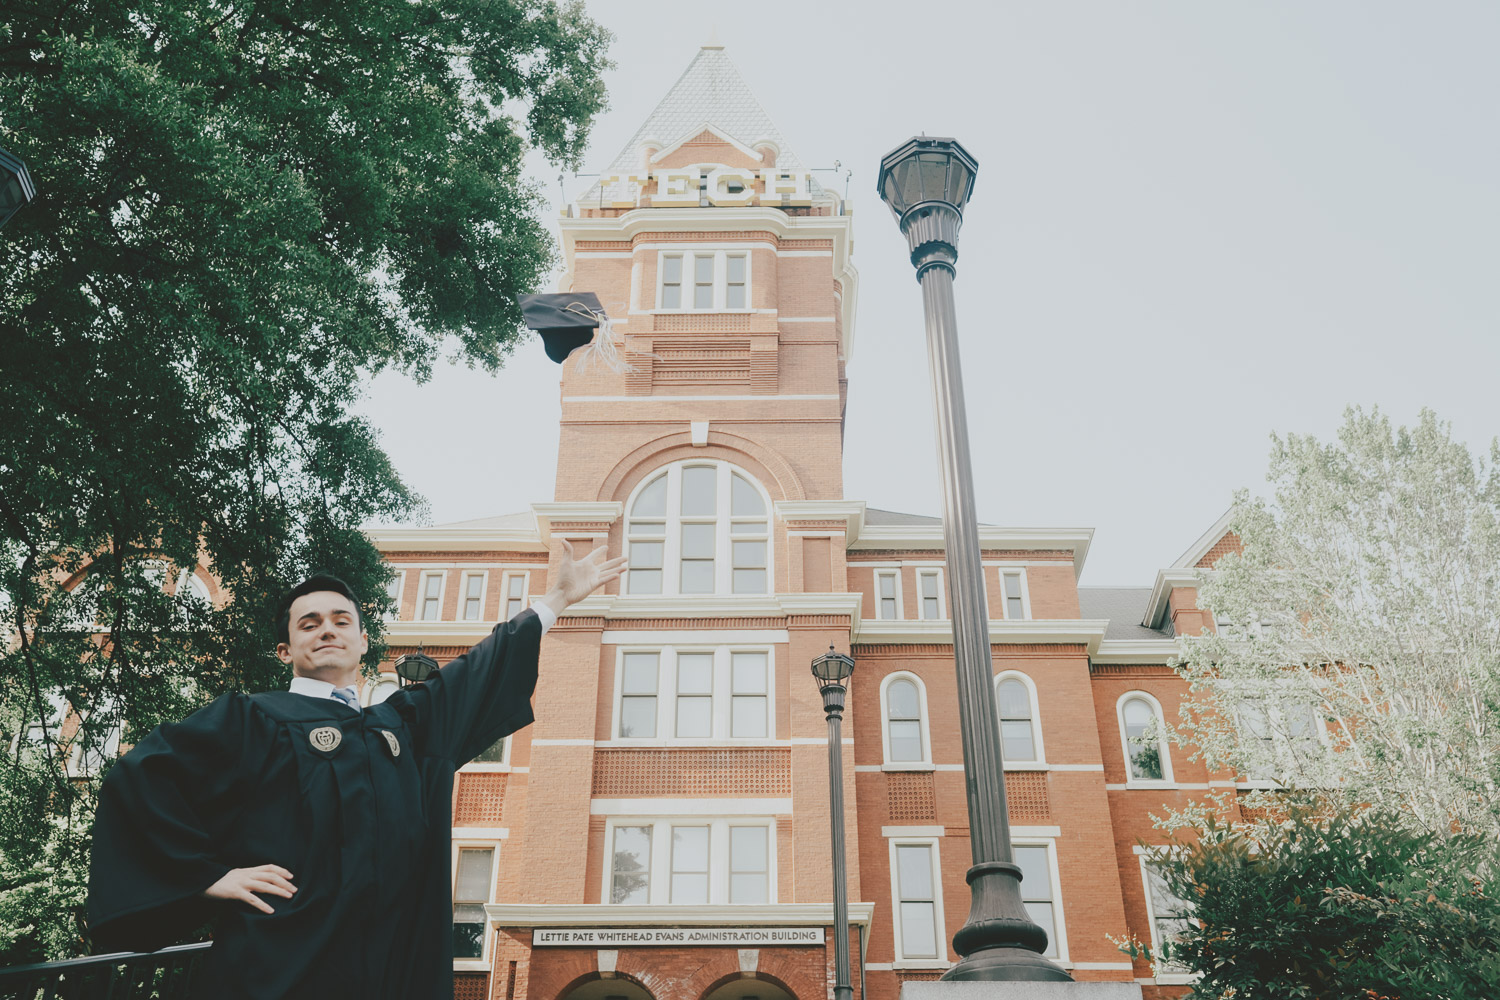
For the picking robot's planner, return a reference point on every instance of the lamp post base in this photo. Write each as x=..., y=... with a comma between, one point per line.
x=948, y=990
x=1001, y=965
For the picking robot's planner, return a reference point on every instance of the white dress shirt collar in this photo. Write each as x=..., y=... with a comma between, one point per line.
x=311, y=687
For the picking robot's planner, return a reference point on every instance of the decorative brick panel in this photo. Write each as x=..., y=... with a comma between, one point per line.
x=481, y=799
x=1026, y=796
x=916, y=976
x=692, y=772
x=911, y=797
x=471, y=985
x=1229, y=543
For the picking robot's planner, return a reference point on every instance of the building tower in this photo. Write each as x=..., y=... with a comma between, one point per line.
x=661, y=831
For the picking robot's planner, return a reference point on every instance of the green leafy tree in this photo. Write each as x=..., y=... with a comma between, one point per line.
x=1360, y=647
x=245, y=208
x=1326, y=902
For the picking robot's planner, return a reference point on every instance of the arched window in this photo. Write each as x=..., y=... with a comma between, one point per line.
x=903, y=702
x=189, y=582
x=1143, y=732
x=1020, y=722
x=699, y=528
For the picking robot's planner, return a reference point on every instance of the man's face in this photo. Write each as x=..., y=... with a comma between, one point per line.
x=325, y=636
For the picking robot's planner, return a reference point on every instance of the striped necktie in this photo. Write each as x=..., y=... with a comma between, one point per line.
x=347, y=696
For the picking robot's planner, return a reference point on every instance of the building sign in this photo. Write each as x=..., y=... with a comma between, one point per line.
x=687, y=187
x=638, y=937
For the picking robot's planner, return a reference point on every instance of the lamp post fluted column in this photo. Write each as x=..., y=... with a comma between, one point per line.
x=832, y=671
x=926, y=182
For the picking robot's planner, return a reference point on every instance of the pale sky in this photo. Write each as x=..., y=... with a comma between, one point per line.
x=1193, y=224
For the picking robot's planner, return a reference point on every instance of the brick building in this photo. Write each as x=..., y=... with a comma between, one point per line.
x=661, y=831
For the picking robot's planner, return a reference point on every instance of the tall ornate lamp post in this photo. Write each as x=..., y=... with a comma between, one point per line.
x=832, y=671
x=926, y=182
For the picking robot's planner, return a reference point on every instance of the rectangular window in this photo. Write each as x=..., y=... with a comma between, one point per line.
x=515, y=595
x=393, y=593
x=1036, y=890
x=473, y=596
x=630, y=868
x=493, y=754
x=671, y=283
x=703, y=282
x=749, y=567
x=749, y=864
x=697, y=559
x=749, y=701
x=638, y=695
x=1171, y=916
x=471, y=890
x=645, y=567
x=734, y=281
x=1015, y=605
x=917, y=917
x=886, y=596
x=929, y=582
x=432, y=597
x=695, y=695
x=691, y=861
x=690, y=864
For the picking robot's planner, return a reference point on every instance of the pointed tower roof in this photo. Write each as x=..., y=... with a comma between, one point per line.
x=710, y=93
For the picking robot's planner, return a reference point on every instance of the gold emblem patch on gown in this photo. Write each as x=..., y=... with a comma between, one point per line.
x=392, y=742
x=325, y=738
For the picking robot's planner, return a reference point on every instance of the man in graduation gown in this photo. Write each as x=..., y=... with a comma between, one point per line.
x=314, y=834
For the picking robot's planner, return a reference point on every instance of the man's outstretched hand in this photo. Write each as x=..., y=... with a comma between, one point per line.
x=578, y=578
x=244, y=883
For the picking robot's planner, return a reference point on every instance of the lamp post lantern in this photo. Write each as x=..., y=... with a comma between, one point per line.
x=414, y=668
x=926, y=182
x=832, y=671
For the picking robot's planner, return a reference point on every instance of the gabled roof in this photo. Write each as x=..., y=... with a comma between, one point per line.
x=712, y=93
x=1124, y=607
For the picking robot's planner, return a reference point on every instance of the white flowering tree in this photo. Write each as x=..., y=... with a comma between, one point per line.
x=1359, y=645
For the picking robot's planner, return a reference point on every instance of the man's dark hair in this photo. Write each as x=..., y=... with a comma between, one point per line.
x=314, y=584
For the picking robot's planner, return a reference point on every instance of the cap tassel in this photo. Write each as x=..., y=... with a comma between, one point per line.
x=602, y=350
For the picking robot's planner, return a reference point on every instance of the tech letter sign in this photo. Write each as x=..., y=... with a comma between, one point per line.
x=685, y=187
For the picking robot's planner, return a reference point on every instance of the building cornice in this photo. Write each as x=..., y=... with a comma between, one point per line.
x=1136, y=651
x=930, y=536
x=1061, y=631
x=436, y=633
x=456, y=539
x=851, y=512
x=594, y=512
x=1205, y=542
x=1161, y=592
x=608, y=606
x=619, y=915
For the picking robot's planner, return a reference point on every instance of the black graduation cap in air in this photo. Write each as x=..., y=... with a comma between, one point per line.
x=566, y=321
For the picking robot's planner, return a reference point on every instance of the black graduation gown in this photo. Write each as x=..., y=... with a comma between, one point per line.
x=364, y=826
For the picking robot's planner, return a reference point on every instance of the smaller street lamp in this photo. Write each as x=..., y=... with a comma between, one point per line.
x=832, y=671
x=414, y=668
x=16, y=188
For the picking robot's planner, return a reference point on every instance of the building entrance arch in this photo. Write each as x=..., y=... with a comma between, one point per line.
x=759, y=988
x=615, y=988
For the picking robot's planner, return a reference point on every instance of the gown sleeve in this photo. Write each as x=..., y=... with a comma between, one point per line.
x=470, y=703
x=159, y=819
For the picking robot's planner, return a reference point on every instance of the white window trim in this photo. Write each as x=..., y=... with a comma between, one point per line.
x=1025, y=594
x=942, y=593
x=395, y=614
x=1272, y=705
x=463, y=593
x=688, y=286
x=442, y=597
x=1164, y=746
x=900, y=608
x=383, y=680
x=940, y=925
x=724, y=538
x=1036, y=721
x=1059, y=920
x=659, y=889
x=1165, y=978
x=925, y=764
x=505, y=578
x=482, y=963
x=666, y=695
